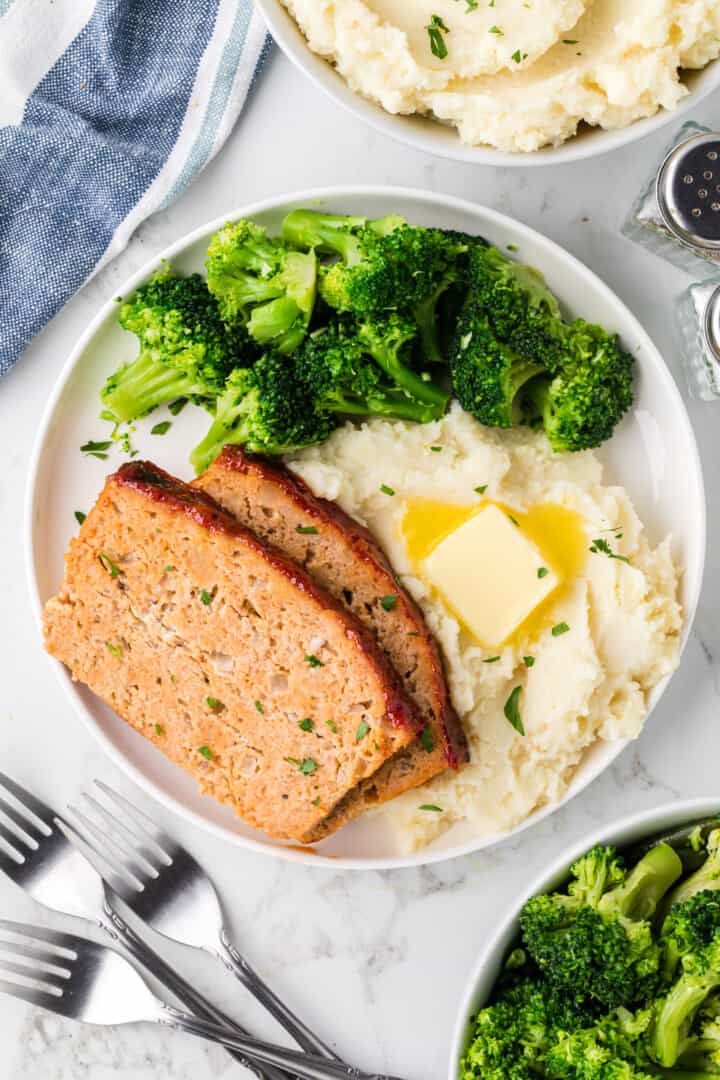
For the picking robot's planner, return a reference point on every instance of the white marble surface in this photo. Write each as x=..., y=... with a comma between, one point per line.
x=376, y=962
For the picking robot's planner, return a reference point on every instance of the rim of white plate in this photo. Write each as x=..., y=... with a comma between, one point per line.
x=630, y=829
x=431, y=136
x=293, y=854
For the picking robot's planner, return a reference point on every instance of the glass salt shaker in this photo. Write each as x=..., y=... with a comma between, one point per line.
x=698, y=324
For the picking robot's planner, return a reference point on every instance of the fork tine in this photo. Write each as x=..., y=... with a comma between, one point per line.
x=98, y=861
x=9, y=967
x=22, y=824
x=109, y=850
x=33, y=952
x=146, y=825
x=43, y=997
x=123, y=837
x=28, y=801
x=15, y=843
x=69, y=942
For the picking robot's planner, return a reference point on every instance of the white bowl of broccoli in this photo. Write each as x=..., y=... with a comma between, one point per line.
x=608, y=967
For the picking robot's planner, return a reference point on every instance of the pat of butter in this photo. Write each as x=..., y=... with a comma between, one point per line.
x=487, y=571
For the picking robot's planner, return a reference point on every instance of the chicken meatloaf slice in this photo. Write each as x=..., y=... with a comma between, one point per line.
x=344, y=558
x=225, y=654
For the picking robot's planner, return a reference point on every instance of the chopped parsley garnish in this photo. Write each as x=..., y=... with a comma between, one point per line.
x=496, y=30
x=559, y=628
x=512, y=710
x=162, y=428
x=108, y=565
x=528, y=661
x=80, y=517
x=206, y=597
x=514, y=520
x=570, y=41
x=306, y=767
x=543, y=571
x=306, y=725
x=518, y=57
x=96, y=449
x=413, y=633
x=316, y=801
x=601, y=547
x=482, y=489
x=387, y=490
x=168, y=569
x=426, y=738
x=159, y=729
x=176, y=407
x=313, y=661
x=512, y=247
x=436, y=449
x=363, y=728
x=206, y=752
x=332, y=725
x=491, y=660
x=214, y=703
x=431, y=806
x=259, y=707
x=116, y=650
x=436, y=29
x=389, y=601
x=306, y=530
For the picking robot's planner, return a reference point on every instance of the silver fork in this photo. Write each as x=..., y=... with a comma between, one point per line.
x=168, y=890
x=82, y=980
x=37, y=856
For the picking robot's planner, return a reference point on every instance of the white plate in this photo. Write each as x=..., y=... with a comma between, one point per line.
x=653, y=454
x=626, y=831
x=434, y=137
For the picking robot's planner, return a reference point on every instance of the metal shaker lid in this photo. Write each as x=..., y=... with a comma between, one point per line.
x=688, y=191
x=711, y=326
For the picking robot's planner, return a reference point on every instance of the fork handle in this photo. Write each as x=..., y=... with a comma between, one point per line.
x=301, y=1033
x=306, y=1066
x=194, y=1001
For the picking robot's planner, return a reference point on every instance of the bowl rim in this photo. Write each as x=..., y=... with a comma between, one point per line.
x=595, y=142
x=422, y=857
x=622, y=830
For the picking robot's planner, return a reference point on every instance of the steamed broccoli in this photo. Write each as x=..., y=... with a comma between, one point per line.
x=359, y=370
x=262, y=283
x=691, y=936
x=185, y=348
x=382, y=265
x=706, y=877
x=515, y=360
x=596, y=942
x=583, y=402
x=266, y=409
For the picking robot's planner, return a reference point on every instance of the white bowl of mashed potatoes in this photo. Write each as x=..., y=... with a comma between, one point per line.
x=509, y=83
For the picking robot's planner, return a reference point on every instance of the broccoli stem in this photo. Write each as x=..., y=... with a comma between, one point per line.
x=329, y=233
x=678, y=1011
x=385, y=351
x=142, y=385
x=427, y=320
x=707, y=877
x=389, y=405
x=644, y=887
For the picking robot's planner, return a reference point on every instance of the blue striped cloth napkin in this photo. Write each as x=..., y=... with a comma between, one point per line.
x=108, y=110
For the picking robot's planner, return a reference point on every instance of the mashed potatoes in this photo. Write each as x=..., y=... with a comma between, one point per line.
x=515, y=75
x=589, y=683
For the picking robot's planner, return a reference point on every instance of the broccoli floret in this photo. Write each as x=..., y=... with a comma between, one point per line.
x=262, y=283
x=581, y=405
x=706, y=877
x=382, y=265
x=185, y=348
x=344, y=376
x=701, y=1050
x=389, y=340
x=691, y=939
x=514, y=359
x=595, y=942
x=512, y=1035
x=265, y=408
